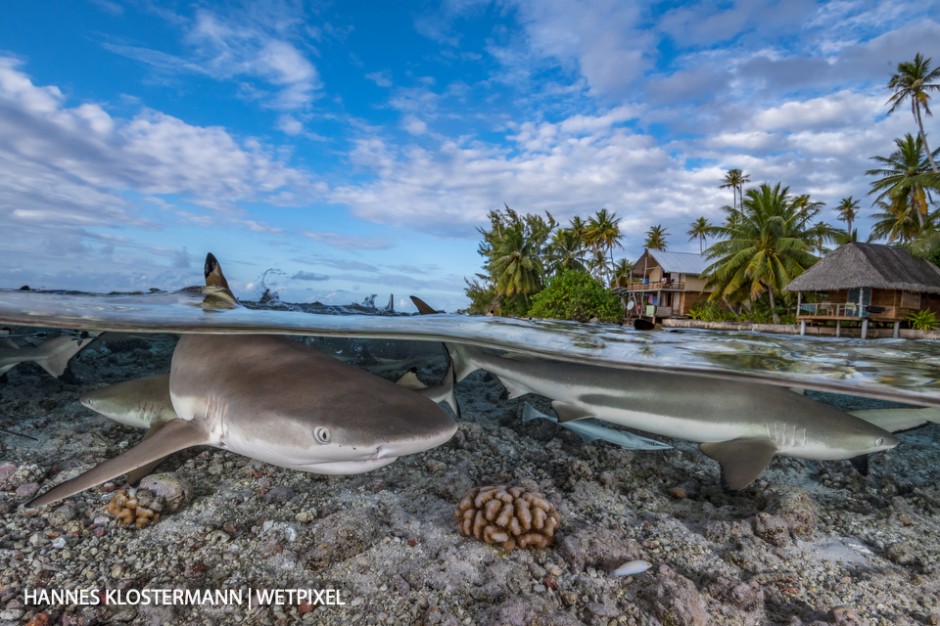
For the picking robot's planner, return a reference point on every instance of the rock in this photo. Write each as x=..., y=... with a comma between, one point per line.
x=741, y=595
x=795, y=506
x=6, y=470
x=170, y=488
x=598, y=547
x=845, y=616
x=772, y=529
x=27, y=490
x=62, y=515
x=676, y=600
x=902, y=553
x=278, y=495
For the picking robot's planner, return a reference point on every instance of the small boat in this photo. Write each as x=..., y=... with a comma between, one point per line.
x=643, y=324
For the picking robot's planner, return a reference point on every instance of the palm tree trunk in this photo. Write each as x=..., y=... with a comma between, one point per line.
x=773, y=305
x=923, y=136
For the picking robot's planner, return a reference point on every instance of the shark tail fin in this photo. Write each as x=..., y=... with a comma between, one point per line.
x=218, y=293
x=462, y=359
x=58, y=351
x=446, y=385
x=174, y=436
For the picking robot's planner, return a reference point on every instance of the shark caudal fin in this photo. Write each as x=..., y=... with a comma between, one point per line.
x=54, y=355
x=742, y=460
x=217, y=292
x=172, y=437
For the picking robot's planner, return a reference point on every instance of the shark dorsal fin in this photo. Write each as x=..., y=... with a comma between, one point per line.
x=218, y=294
x=742, y=460
x=423, y=307
x=175, y=435
x=410, y=380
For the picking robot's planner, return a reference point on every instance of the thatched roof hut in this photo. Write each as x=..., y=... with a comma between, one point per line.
x=868, y=281
x=872, y=265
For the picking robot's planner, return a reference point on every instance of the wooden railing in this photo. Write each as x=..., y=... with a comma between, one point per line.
x=832, y=309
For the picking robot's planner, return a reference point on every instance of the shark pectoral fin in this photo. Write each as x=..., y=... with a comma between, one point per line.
x=569, y=412
x=134, y=476
x=410, y=380
x=742, y=460
x=895, y=420
x=175, y=435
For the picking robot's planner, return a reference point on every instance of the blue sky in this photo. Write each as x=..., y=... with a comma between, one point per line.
x=354, y=148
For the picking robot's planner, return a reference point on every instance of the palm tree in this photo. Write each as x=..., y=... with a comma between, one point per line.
x=806, y=208
x=762, y=251
x=516, y=264
x=622, y=273
x=700, y=229
x=848, y=211
x=905, y=181
x=913, y=80
x=603, y=234
x=896, y=222
x=735, y=179
x=566, y=251
x=656, y=238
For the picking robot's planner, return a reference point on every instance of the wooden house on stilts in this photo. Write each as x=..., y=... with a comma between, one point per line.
x=867, y=282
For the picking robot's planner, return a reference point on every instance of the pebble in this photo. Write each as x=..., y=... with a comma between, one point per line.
x=7, y=470
x=27, y=490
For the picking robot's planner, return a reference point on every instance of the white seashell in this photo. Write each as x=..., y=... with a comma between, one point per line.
x=631, y=567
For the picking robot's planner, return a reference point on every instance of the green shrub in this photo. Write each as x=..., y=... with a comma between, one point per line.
x=923, y=320
x=575, y=295
x=711, y=312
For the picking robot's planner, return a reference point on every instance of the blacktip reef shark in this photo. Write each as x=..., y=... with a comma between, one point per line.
x=278, y=401
x=741, y=425
x=52, y=355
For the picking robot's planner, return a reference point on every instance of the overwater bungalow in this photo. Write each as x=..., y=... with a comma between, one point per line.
x=866, y=282
x=664, y=284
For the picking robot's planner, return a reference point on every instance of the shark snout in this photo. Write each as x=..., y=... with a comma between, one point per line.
x=417, y=442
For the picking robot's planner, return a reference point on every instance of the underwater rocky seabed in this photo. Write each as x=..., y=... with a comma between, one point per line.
x=807, y=543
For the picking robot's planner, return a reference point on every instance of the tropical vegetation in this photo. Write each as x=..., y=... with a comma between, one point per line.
x=576, y=295
x=535, y=266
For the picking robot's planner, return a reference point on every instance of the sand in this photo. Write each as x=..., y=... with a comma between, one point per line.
x=808, y=543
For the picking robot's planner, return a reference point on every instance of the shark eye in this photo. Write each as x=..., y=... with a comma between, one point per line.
x=321, y=434
x=879, y=441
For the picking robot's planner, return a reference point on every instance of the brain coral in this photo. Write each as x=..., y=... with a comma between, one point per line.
x=509, y=516
x=135, y=506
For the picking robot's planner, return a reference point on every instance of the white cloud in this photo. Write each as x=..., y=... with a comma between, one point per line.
x=76, y=165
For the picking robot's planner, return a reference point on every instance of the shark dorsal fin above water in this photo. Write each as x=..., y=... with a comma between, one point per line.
x=217, y=292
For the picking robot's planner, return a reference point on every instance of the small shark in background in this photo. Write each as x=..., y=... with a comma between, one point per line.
x=741, y=425
x=591, y=430
x=52, y=355
x=278, y=401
